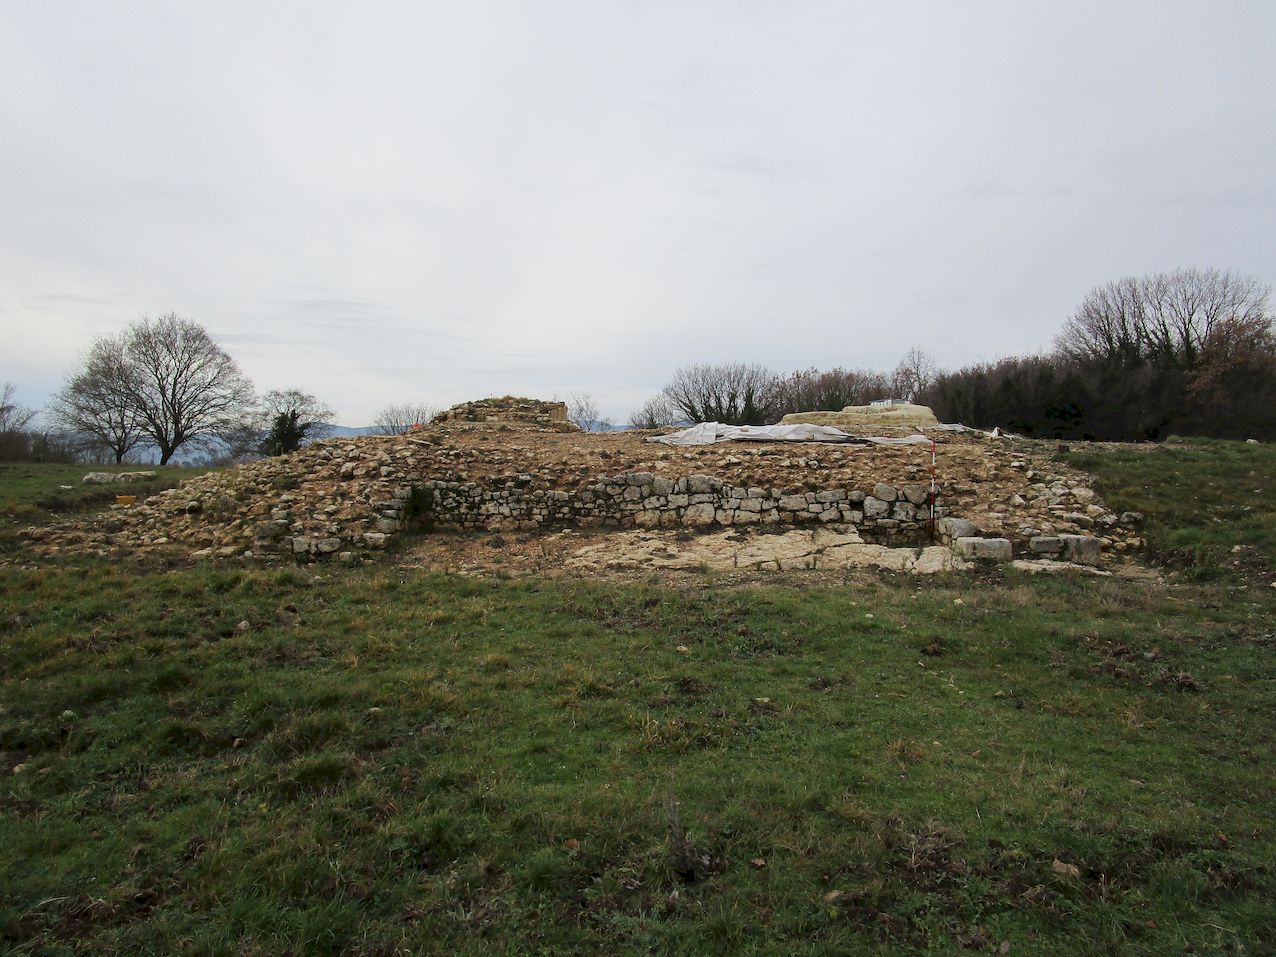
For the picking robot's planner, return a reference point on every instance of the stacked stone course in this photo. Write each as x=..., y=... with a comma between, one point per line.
x=338, y=499
x=508, y=410
x=644, y=500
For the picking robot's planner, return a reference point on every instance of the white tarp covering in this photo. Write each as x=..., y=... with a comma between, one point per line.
x=709, y=433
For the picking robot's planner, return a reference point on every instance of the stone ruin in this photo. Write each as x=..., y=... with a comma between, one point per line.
x=516, y=464
x=508, y=410
x=889, y=414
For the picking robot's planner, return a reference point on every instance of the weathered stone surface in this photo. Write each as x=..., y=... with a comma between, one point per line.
x=887, y=493
x=825, y=547
x=474, y=477
x=984, y=549
x=703, y=484
x=1046, y=566
x=955, y=528
x=702, y=514
x=1081, y=549
x=917, y=494
x=901, y=415
x=508, y=411
x=874, y=507
x=110, y=478
x=1045, y=545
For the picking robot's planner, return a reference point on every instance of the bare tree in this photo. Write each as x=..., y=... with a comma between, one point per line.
x=1166, y=318
x=15, y=420
x=814, y=390
x=914, y=374
x=182, y=384
x=95, y=405
x=291, y=418
x=583, y=411
x=13, y=416
x=733, y=393
x=655, y=413
x=397, y=419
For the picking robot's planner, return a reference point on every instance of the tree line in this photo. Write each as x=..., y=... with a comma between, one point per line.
x=165, y=384
x=749, y=394
x=1189, y=352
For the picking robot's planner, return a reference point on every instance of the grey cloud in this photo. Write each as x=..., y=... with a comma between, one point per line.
x=451, y=199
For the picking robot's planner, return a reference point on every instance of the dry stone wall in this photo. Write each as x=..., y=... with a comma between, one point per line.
x=644, y=500
x=338, y=499
x=508, y=410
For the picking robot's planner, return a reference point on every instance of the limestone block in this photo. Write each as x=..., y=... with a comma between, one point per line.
x=875, y=507
x=984, y=549
x=955, y=528
x=1045, y=545
x=917, y=494
x=887, y=493
x=699, y=514
x=936, y=558
x=1081, y=549
x=107, y=478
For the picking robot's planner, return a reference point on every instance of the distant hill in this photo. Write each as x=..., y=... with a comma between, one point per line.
x=342, y=431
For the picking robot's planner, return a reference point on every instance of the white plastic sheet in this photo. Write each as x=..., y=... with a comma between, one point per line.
x=710, y=433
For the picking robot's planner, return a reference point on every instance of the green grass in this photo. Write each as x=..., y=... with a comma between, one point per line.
x=1211, y=505
x=381, y=761
x=34, y=493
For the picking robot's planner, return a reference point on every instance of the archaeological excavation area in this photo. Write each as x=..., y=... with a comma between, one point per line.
x=511, y=477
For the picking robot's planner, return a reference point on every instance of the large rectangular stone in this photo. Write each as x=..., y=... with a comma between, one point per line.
x=984, y=549
x=1045, y=545
x=1081, y=549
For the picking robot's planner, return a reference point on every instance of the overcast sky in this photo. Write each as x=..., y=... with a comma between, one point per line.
x=378, y=202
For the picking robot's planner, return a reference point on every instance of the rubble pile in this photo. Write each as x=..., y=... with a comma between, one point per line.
x=508, y=410
x=343, y=497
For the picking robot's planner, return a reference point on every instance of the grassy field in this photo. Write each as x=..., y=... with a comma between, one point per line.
x=34, y=493
x=319, y=760
x=1212, y=504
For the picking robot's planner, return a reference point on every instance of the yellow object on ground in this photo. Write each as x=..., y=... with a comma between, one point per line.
x=125, y=499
